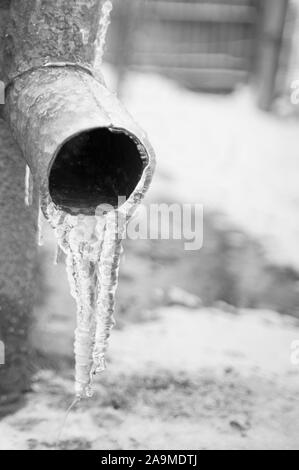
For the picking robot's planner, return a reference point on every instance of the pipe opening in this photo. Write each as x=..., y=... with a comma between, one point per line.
x=95, y=167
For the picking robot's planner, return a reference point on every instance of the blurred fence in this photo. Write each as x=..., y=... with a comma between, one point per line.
x=207, y=45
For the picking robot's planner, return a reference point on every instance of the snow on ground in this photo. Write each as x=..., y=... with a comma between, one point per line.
x=223, y=152
x=191, y=380
x=180, y=340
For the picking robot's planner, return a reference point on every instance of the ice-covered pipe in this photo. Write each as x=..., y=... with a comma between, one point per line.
x=81, y=145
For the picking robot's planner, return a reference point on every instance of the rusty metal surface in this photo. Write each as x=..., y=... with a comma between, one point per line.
x=48, y=106
x=17, y=262
x=43, y=31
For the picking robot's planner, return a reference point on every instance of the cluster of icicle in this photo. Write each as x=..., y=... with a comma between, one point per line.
x=92, y=245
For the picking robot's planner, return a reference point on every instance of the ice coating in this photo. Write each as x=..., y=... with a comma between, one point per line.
x=104, y=25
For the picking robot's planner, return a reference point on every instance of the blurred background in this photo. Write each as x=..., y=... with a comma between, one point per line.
x=208, y=46
x=201, y=356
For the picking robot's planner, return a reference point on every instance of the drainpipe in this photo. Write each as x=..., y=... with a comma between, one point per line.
x=81, y=145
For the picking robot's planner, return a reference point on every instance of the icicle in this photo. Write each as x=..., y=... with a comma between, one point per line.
x=40, y=227
x=92, y=245
x=108, y=279
x=101, y=39
x=28, y=187
x=82, y=279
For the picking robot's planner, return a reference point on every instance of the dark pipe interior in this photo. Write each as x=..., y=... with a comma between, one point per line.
x=93, y=168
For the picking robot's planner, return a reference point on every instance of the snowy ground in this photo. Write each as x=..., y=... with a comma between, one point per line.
x=178, y=378
x=189, y=380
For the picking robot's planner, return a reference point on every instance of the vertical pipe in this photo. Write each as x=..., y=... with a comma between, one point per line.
x=4, y=15
x=42, y=32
